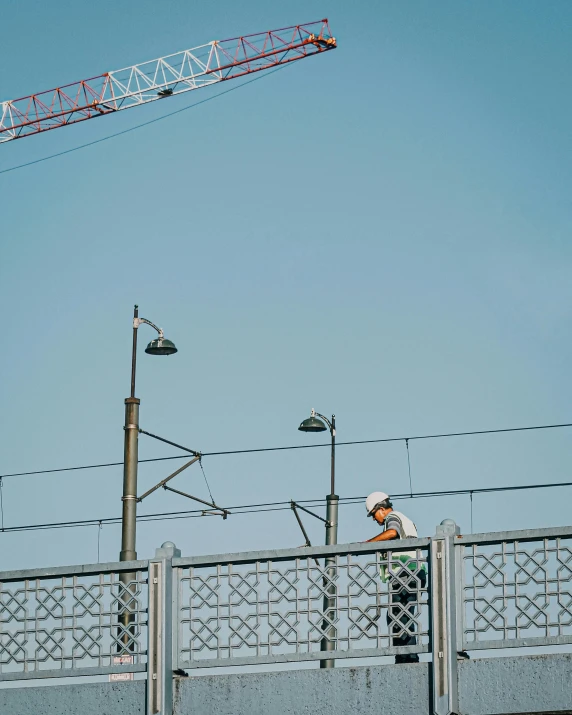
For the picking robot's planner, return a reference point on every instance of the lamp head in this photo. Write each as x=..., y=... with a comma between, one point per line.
x=161, y=346
x=312, y=424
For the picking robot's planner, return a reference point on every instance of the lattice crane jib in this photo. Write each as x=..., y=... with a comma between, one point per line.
x=214, y=62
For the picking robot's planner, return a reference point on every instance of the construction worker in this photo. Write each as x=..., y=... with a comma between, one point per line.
x=406, y=575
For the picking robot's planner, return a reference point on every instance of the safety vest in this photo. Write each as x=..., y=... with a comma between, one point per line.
x=406, y=530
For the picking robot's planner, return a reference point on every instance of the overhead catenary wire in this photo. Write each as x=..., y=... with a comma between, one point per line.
x=298, y=446
x=277, y=506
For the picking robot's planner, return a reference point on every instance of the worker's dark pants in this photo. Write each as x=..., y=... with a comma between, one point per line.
x=401, y=593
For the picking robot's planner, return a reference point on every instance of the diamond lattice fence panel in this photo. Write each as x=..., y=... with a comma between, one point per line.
x=516, y=591
x=268, y=610
x=69, y=622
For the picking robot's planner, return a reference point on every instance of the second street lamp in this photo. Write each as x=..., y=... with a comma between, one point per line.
x=159, y=346
x=317, y=423
x=314, y=423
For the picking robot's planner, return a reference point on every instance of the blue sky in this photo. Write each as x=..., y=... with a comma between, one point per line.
x=382, y=232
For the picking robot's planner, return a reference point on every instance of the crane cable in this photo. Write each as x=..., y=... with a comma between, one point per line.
x=144, y=124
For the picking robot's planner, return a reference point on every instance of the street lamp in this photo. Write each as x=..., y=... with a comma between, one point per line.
x=159, y=346
x=317, y=423
x=314, y=423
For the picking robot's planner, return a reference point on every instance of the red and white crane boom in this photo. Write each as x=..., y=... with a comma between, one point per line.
x=133, y=86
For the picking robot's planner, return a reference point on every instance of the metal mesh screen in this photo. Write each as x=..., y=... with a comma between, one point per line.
x=70, y=622
x=517, y=591
x=265, y=611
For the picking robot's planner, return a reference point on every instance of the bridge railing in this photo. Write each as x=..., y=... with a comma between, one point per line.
x=278, y=606
x=73, y=621
x=441, y=596
x=516, y=589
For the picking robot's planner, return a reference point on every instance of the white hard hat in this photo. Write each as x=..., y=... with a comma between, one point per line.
x=373, y=500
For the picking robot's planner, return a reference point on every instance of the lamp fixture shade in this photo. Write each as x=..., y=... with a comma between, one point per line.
x=161, y=346
x=312, y=424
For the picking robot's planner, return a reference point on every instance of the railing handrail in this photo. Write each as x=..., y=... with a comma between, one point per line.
x=78, y=570
x=493, y=537
x=521, y=535
x=302, y=552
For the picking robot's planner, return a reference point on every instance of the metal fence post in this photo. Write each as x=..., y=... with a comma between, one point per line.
x=444, y=618
x=160, y=664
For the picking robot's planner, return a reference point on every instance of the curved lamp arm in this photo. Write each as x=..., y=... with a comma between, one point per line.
x=137, y=322
x=331, y=424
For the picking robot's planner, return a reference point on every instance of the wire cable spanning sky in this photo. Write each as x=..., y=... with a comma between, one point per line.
x=140, y=126
x=274, y=506
x=298, y=446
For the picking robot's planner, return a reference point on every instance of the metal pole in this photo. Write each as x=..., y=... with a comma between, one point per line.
x=333, y=466
x=332, y=500
x=129, y=498
x=130, y=460
x=134, y=351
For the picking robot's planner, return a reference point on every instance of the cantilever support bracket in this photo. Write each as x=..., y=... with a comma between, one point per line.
x=173, y=444
x=197, y=457
x=294, y=506
x=168, y=479
x=215, y=510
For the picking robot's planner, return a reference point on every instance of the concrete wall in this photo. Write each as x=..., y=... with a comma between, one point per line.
x=491, y=686
x=521, y=684
x=391, y=689
x=126, y=698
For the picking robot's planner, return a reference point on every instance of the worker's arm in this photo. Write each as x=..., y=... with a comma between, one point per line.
x=384, y=536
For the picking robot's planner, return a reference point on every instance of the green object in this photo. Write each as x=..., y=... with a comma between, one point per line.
x=312, y=424
x=407, y=562
x=161, y=346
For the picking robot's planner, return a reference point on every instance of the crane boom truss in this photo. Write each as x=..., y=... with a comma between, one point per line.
x=184, y=71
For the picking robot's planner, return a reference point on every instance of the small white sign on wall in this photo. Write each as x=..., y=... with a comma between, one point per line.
x=119, y=677
x=121, y=660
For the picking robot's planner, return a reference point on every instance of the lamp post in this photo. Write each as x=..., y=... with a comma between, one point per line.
x=317, y=423
x=159, y=346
